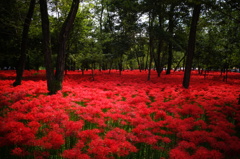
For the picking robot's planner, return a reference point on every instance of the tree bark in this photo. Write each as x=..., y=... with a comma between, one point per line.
x=22, y=59
x=191, y=45
x=150, y=58
x=120, y=65
x=157, y=59
x=146, y=62
x=47, y=46
x=170, y=45
x=151, y=49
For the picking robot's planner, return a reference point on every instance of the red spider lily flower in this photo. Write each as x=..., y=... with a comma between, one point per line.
x=53, y=140
x=41, y=154
x=191, y=110
x=73, y=127
x=74, y=154
x=18, y=133
x=19, y=152
x=187, y=145
x=125, y=111
x=160, y=115
x=177, y=153
x=88, y=135
x=203, y=153
x=34, y=125
x=200, y=124
x=117, y=134
x=104, y=148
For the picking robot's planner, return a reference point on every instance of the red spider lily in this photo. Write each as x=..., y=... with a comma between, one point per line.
x=19, y=152
x=104, y=148
x=74, y=154
x=52, y=140
x=17, y=133
x=203, y=153
x=179, y=154
x=73, y=127
x=120, y=115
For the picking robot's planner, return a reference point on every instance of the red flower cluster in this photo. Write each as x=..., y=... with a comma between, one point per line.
x=116, y=116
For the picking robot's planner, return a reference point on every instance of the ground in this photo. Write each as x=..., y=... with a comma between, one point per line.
x=120, y=116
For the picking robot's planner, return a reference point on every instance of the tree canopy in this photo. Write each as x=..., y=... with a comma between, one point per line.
x=123, y=34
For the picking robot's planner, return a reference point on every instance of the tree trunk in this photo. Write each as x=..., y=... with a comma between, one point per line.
x=179, y=62
x=62, y=41
x=146, y=62
x=46, y=46
x=142, y=63
x=22, y=59
x=170, y=57
x=101, y=18
x=120, y=67
x=170, y=45
x=138, y=62
x=54, y=83
x=150, y=59
x=157, y=59
x=191, y=45
x=151, y=49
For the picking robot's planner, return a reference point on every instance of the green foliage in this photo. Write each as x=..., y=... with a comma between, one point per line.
x=107, y=33
x=12, y=15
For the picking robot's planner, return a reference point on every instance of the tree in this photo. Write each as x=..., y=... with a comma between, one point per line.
x=11, y=20
x=166, y=16
x=151, y=48
x=191, y=45
x=170, y=45
x=54, y=81
x=218, y=41
x=79, y=41
x=22, y=59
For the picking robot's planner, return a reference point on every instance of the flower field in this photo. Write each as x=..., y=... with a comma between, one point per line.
x=120, y=116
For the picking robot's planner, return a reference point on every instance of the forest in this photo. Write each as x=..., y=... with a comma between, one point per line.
x=113, y=79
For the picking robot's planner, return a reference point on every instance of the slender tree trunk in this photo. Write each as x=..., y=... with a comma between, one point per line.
x=158, y=58
x=146, y=62
x=170, y=53
x=54, y=83
x=142, y=63
x=179, y=62
x=191, y=45
x=183, y=66
x=101, y=17
x=138, y=62
x=170, y=57
x=150, y=60
x=159, y=48
x=151, y=19
x=22, y=59
x=47, y=46
x=92, y=69
x=62, y=41
x=225, y=78
x=120, y=67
